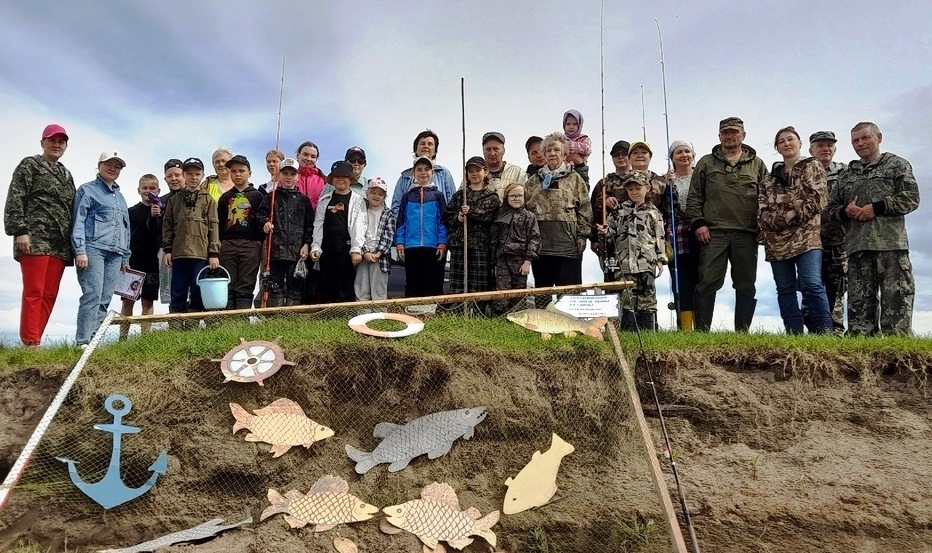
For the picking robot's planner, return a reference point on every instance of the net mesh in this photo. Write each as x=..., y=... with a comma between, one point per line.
x=349, y=383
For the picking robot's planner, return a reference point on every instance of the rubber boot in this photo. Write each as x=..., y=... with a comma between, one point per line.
x=231, y=300
x=243, y=301
x=705, y=307
x=276, y=298
x=628, y=321
x=744, y=312
x=794, y=325
x=647, y=321
x=686, y=321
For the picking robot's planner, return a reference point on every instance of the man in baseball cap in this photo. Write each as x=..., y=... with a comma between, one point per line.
x=54, y=130
x=834, y=258
x=356, y=157
x=501, y=173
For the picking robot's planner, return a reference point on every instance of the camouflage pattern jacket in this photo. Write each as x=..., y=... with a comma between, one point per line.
x=889, y=184
x=483, y=204
x=722, y=195
x=804, y=191
x=563, y=212
x=833, y=231
x=637, y=234
x=39, y=204
x=517, y=235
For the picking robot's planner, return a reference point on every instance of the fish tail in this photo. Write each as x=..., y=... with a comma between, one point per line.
x=279, y=504
x=484, y=526
x=560, y=446
x=595, y=327
x=243, y=418
x=364, y=460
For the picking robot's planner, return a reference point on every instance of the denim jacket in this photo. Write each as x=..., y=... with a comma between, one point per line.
x=100, y=219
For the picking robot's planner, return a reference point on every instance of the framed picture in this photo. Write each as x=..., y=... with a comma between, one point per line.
x=129, y=284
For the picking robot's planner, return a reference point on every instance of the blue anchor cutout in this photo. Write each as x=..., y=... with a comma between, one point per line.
x=110, y=491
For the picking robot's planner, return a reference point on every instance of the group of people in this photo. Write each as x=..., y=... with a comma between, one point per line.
x=330, y=237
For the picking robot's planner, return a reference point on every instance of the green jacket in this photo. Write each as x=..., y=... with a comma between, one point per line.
x=190, y=227
x=563, y=212
x=39, y=204
x=889, y=184
x=722, y=195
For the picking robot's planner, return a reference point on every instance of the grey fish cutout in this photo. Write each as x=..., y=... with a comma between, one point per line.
x=209, y=529
x=432, y=434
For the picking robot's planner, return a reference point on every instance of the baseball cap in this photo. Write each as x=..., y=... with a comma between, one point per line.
x=635, y=177
x=108, y=155
x=172, y=163
x=340, y=169
x=192, y=162
x=52, y=130
x=640, y=144
x=288, y=163
x=378, y=182
x=355, y=150
x=238, y=160
x=493, y=136
x=822, y=135
x=731, y=123
x=423, y=160
x=621, y=147
x=477, y=161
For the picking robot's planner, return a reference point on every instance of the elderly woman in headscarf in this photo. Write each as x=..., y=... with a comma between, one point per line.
x=682, y=247
x=578, y=145
x=559, y=197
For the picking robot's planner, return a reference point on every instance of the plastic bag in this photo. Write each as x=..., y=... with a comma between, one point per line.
x=300, y=269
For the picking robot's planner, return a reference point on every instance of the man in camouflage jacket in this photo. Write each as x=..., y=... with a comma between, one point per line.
x=38, y=216
x=871, y=199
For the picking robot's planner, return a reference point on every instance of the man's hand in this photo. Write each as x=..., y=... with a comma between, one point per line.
x=867, y=213
x=580, y=245
x=167, y=260
x=213, y=263
x=703, y=235
x=80, y=261
x=525, y=268
x=789, y=216
x=852, y=210
x=602, y=229
x=23, y=244
x=356, y=258
x=315, y=255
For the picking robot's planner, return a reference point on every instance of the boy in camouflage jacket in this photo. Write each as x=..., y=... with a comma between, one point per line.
x=515, y=241
x=635, y=230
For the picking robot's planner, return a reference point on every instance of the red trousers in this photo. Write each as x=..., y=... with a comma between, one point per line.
x=41, y=279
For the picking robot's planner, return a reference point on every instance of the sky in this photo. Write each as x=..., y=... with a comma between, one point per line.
x=156, y=80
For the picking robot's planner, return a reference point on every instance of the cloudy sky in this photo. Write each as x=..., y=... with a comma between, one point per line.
x=156, y=80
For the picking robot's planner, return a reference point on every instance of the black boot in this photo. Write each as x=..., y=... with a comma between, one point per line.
x=647, y=321
x=243, y=301
x=628, y=321
x=276, y=298
x=745, y=304
x=704, y=307
x=292, y=297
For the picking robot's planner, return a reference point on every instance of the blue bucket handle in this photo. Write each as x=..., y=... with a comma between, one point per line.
x=197, y=279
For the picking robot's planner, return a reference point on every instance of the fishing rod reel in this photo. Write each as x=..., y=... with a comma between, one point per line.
x=611, y=264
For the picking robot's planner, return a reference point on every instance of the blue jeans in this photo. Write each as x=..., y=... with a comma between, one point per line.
x=184, y=285
x=98, y=282
x=802, y=273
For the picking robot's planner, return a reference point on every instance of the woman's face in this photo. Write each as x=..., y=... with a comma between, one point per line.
x=427, y=147
x=683, y=156
x=307, y=157
x=54, y=147
x=271, y=164
x=639, y=158
x=787, y=145
x=220, y=160
x=554, y=155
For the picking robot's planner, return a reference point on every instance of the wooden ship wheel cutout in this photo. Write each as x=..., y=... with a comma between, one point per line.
x=252, y=361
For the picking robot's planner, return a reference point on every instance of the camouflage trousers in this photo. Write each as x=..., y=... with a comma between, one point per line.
x=643, y=296
x=880, y=292
x=507, y=276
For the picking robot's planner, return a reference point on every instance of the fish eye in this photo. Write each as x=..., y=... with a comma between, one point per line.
x=398, y=509
x=467, y=411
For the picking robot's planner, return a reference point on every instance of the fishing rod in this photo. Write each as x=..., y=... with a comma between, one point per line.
x=674, y=267
x=266, y=269
x=465, y=186
x=281, y=98
x=607, y=267
x=643, y=116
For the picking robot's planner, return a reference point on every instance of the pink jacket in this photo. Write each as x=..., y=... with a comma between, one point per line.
x=311, y=181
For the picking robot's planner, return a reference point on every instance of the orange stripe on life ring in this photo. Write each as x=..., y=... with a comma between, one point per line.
x=360, y=324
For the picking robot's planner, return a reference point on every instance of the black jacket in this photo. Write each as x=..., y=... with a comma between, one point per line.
x=293, y=221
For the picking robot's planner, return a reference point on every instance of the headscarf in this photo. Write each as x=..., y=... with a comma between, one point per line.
x=677, y=143
x=579, y=120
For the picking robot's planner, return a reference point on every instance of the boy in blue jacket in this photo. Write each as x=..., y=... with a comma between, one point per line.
x=421, y=237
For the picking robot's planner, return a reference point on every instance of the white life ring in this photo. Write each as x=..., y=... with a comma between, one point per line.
x=360, y=323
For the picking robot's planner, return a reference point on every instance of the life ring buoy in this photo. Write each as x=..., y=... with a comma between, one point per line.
x=360, y=323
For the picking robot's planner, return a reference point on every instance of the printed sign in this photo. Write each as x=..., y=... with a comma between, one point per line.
x=589, y=307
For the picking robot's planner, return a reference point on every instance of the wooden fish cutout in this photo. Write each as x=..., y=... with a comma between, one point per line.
x=432, y=434
x=437, y=516
x=327, y=504
x=209, y=529
x=345, y=545
x=282, y=424
x=536, y=483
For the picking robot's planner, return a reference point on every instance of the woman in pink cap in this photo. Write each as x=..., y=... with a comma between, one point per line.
x=38, y=216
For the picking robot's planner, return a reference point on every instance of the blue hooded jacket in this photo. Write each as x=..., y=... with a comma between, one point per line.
x=420, y=218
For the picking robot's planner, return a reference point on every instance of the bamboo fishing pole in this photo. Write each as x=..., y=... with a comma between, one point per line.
x=604, y=239
x=465, y=186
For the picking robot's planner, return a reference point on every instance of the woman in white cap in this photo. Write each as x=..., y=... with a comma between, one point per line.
x=100, y=238
x=684, y=261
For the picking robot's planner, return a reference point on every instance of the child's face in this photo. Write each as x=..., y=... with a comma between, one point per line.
x=287, y=177
x=240, y=174
x=146, y=186
x=341, y=184
x=376, y=196
x=476, y=175
x=570, y=125
x=174, y=178
x=422, y=174
x=193, y=177
x=515, y=197
x=637, y=193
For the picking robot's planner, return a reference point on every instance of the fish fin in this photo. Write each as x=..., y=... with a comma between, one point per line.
x=545, y=336
x=324, y=527
x=531, y=326
x=253, y=438
x=561, y=446
x=243, y=418
x=399, y=464
x=441, y=492
x=595, y=327
x=460, y=543
x=552, y=307
x=442, y=450
x=280, y=405
x=364, y=461
x=429, y=541
x=295, y=522
x=278, y=450
x=472, y=513
x=293, y=495
x=569, y=333
x=510, y=481
x=278, y=505
x=383, y=429
x=329, y=483
x=483, y=527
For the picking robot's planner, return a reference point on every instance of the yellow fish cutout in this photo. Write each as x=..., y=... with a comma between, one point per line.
x=282, y=424
x=536, y=484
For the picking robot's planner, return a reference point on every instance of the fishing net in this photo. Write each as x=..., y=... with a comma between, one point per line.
x=531, y=388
